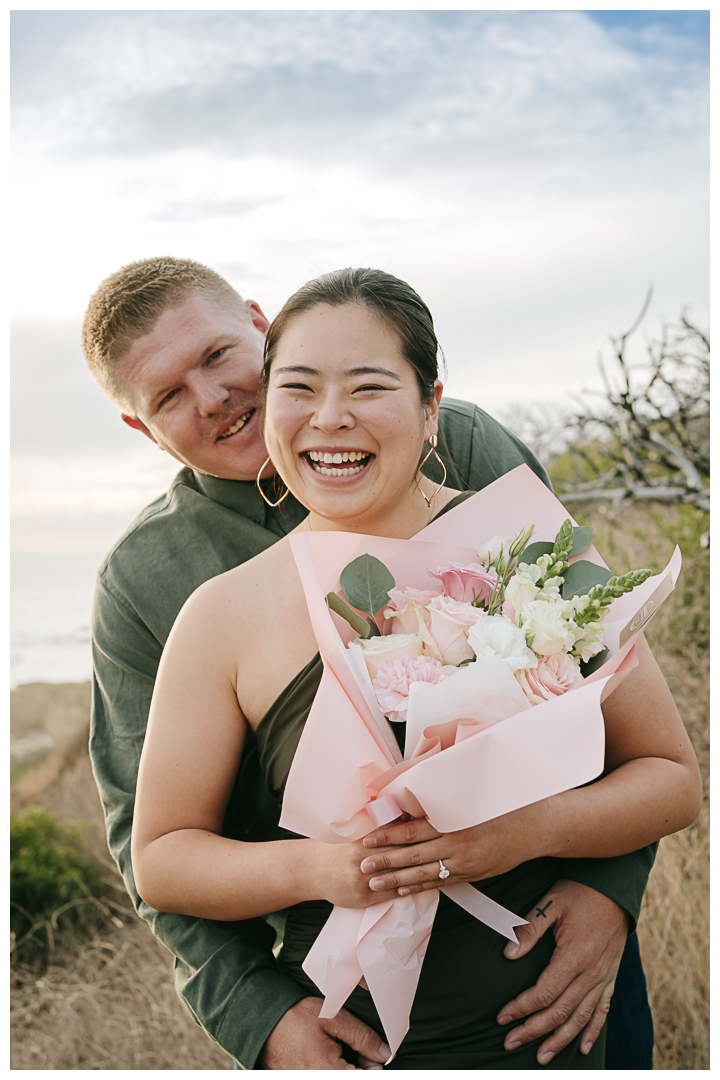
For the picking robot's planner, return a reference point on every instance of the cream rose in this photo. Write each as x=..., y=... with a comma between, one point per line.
x=376, y=650
x=495, y=636
x=553, y=676
x=450, y=621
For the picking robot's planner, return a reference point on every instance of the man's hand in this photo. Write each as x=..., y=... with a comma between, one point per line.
x=301, y=1040
x=574, y=991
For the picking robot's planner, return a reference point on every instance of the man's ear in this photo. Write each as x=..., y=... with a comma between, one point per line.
x=258, y=316
x=133, y=422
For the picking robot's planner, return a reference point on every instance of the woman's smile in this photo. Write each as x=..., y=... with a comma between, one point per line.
x=341, y=463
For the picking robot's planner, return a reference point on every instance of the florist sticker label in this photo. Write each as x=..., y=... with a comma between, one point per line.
x=649, y=608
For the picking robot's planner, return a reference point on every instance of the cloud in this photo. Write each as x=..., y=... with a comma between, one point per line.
x=201, y=209
x=400, y=89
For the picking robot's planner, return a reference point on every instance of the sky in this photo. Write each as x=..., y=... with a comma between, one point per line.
x=528, y=172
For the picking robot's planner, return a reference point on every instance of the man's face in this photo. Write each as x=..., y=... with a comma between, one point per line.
x=194, y=383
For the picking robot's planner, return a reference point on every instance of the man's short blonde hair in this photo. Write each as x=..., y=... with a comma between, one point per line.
x=129, y=303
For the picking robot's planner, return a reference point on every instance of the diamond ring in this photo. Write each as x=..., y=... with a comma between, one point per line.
x=444, y=872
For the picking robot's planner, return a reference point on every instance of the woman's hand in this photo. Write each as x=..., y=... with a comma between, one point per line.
x=406, y=854
x=336, y=869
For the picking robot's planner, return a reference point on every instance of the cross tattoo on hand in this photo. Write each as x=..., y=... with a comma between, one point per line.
x=541, y=911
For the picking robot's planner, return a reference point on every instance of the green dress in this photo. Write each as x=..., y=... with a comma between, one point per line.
x=465, y=978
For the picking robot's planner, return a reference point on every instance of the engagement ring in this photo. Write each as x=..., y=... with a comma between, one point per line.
x=444, y=872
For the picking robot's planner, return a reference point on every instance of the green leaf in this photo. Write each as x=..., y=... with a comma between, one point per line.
x=366, y=583
x=533, y=551
x=582, y=539
x=363, y=626
x=588, y=666
x=581, y=577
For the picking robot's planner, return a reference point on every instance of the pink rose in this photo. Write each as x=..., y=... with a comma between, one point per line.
x=466, y=583
x=553, y=676
x=395, y=677
x=450, y=621
x=405, y=610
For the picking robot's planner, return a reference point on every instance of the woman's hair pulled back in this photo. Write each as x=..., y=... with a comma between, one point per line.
x=390, y=298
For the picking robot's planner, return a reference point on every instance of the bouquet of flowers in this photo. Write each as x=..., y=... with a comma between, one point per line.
x=493, y=662
x=523, y=603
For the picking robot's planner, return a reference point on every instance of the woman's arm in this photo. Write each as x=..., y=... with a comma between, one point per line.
x=651, y=788
x=194, y=740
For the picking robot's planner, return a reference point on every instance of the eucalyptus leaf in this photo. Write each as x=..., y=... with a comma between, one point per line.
x=364, y=627
x=366, y=583
x=582, y=539
x=533, y=551
x=588, y=666
x=581, y=577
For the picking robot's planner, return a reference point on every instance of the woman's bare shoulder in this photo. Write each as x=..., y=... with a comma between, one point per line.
x=247, y=586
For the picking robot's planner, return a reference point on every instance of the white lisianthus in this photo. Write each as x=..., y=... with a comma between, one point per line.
x=495, y=636
x=377, y=650
x=547, y=630
x=489, y=552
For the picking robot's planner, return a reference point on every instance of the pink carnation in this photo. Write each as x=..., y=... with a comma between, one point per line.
x=553, y=676
x=466, y=583
x=392, y=685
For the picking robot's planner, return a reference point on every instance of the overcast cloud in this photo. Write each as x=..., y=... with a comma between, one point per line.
x=528, y=172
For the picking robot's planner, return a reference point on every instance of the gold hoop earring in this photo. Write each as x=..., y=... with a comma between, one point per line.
x=257, y=481
x=432, y=441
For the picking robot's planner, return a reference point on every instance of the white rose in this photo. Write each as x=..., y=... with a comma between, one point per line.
x=495, y=636
x=547, y=629
x=376, y=650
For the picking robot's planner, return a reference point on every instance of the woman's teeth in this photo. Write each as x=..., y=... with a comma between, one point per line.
x=239, y=423
x=320, y=461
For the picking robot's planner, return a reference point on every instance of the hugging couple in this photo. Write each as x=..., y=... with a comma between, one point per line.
x=206, y=667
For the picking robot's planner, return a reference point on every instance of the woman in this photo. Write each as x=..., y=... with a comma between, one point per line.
x=352, y=398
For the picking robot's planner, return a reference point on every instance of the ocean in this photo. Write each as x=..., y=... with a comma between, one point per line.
x=50, y=609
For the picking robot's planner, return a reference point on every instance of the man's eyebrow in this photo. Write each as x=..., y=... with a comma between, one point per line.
x=220, y=340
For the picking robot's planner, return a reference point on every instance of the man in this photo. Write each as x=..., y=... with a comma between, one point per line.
x=180, y=352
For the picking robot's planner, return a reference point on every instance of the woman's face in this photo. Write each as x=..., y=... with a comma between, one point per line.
x=345, y=423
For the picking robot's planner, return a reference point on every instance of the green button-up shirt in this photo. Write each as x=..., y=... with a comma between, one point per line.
x=225, y=972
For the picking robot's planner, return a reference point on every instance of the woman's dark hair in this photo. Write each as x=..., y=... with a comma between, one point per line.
x=389, y=297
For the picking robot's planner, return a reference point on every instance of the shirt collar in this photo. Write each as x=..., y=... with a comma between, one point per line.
x=243, y=497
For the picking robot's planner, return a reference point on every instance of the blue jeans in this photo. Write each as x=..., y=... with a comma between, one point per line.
x=630, y=1034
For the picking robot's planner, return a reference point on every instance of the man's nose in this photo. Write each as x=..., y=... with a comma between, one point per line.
x=210, y=393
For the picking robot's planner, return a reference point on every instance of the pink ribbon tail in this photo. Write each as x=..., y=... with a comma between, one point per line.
x=386, y=943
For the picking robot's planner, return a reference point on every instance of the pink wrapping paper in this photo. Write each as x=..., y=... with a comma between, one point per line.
x=347, y=777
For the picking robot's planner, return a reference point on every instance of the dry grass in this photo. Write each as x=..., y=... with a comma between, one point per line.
x=110, y=1003
x=674, y=924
